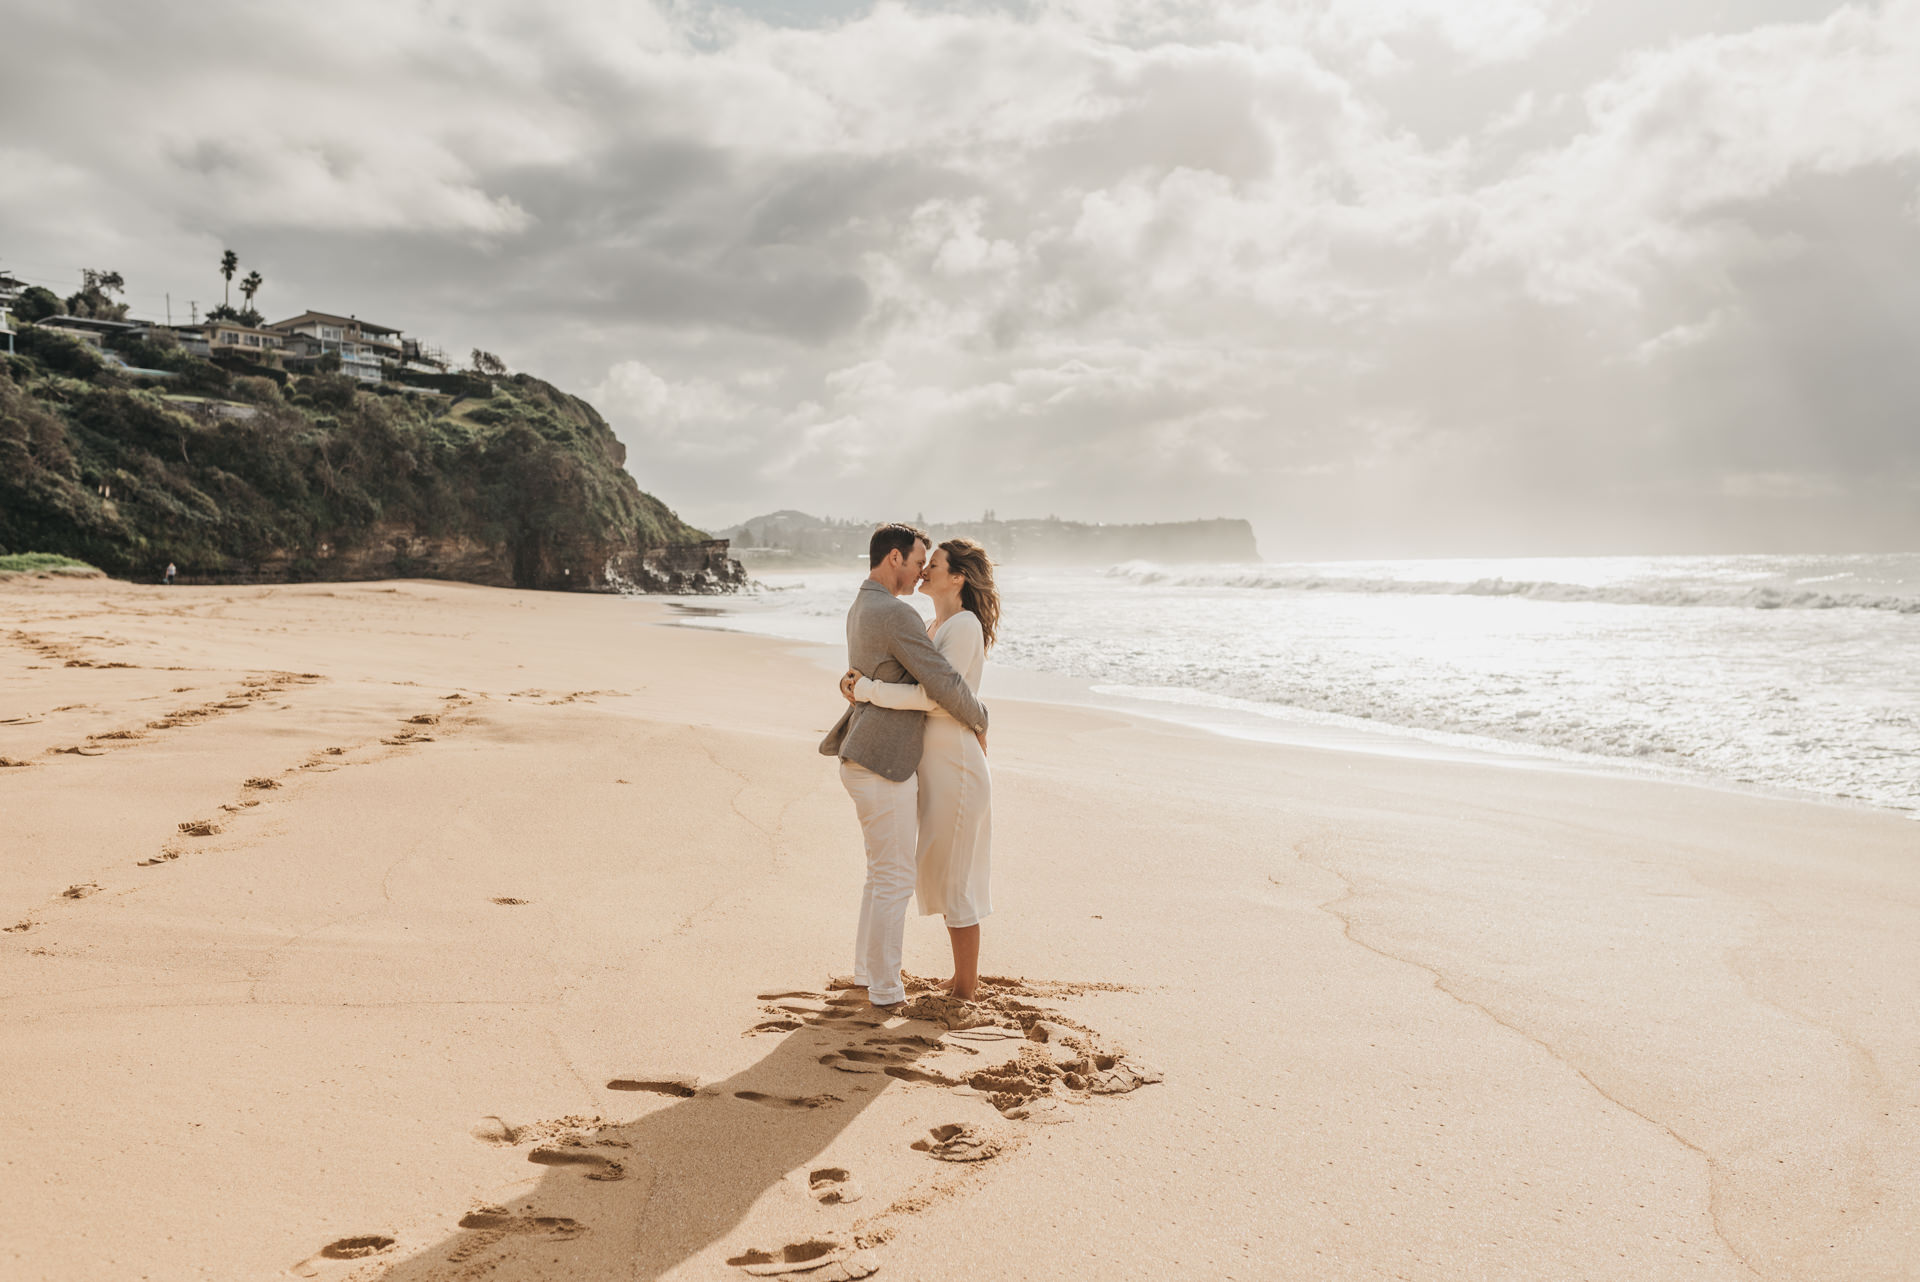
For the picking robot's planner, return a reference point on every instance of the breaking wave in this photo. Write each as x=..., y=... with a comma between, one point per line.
x=1734, y=596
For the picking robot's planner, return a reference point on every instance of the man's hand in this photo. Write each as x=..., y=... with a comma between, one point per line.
x=846, y=683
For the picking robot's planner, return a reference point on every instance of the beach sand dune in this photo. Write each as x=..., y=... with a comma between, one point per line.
x=423, y=931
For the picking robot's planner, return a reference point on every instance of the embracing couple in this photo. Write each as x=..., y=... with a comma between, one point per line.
x=913, y=750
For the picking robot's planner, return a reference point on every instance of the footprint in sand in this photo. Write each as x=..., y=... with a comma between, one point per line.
x=1112, y=1075
x=679, y=1087
x=509, y=902
x=788, y=1101
x=356, y=1248
x=491, y=1129
x=81, y=891
x=922, y=1076
x=493, y=1219
x=833, y=1186
x=782, y=1025
x=199, y=828
x=346, y=1248
x=596, y=1166
x=816, y=1261
x=959, y=1142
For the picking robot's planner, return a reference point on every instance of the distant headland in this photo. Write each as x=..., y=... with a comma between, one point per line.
x=795, y=539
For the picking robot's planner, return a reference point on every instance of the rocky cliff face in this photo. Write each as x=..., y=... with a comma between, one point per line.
x=318, y=477
x=683, y=567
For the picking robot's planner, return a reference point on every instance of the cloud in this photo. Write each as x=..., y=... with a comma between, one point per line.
x=1117, y=259
x=1684, y=132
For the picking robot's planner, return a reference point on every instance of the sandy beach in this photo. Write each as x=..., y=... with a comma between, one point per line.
x=423, y=931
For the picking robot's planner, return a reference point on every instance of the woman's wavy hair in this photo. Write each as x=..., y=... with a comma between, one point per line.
x=970, y=561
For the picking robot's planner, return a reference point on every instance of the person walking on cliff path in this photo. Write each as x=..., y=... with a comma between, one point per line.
x=879, y=747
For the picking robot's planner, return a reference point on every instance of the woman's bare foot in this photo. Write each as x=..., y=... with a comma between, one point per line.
x=965, y=983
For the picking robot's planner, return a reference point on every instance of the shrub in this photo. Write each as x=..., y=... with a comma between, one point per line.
x=159, y=351
x=40, y=562
x=203, y=377
x=37, y=304
x=330, y=391
x=56, y=352
x=260, y=391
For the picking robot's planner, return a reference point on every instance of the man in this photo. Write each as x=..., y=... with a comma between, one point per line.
x=879, y=748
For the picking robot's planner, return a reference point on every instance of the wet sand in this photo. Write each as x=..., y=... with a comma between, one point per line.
x=421, y=931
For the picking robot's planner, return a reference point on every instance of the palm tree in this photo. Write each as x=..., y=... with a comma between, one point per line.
x=229, y=264
x=251, y=286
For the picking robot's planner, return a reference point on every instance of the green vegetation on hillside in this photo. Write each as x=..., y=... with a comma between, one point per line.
x=244, y=477
x=41, y=563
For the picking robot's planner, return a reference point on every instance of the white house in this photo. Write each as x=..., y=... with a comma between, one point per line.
x=10, y=288
x=363, y=347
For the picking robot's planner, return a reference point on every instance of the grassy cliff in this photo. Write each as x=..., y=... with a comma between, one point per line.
x=245, y=478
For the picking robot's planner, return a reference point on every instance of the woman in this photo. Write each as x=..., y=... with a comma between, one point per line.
x=956, y=790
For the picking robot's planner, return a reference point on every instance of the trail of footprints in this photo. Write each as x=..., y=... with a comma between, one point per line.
x=66, y=654
x=1030, y=1062
x=189, y=833
x=323, y=761
x=252, y=690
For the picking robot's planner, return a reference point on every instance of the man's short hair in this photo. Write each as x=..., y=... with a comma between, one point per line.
x=896, y=535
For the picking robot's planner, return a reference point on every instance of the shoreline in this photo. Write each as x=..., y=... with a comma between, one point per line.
x=1289, y=726
x=530, y=977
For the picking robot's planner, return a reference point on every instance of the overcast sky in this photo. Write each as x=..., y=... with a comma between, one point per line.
x=1389, y=277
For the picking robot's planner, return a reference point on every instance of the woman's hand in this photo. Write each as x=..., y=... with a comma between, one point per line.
x=846, y=683
x=981, y=735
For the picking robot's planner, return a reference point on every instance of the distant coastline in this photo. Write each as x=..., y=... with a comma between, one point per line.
x=797, y=540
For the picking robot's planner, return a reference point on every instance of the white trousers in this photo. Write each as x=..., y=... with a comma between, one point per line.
x=889, y=824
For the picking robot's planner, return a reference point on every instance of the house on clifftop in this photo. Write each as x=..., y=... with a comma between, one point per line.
x=361, y=345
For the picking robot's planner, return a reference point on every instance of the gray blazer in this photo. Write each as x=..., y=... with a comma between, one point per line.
x=887, y=640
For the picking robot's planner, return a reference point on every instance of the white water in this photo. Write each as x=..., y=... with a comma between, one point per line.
x=1795, y=673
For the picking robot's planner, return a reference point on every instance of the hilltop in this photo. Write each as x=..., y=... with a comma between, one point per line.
x=795, y=538
x=242, y=474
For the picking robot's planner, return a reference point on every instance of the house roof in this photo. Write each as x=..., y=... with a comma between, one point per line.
x=366, y=327
x=89, y=322
x=245, y=329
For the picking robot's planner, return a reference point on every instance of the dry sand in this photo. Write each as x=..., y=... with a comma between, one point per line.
x=419, y=931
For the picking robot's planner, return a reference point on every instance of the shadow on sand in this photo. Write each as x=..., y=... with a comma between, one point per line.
x=632, y=1200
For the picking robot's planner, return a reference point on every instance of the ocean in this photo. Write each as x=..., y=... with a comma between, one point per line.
x=1795, y=674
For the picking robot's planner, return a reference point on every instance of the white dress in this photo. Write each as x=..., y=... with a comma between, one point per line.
x=956, y=789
